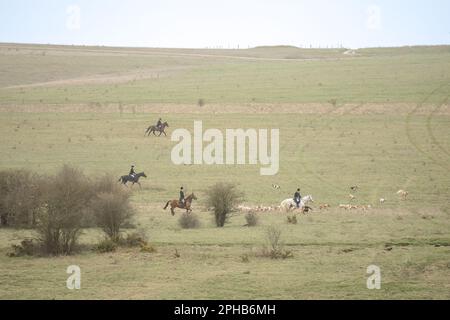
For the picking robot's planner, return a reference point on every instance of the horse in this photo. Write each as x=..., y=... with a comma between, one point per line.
x=288, y=204
x=125, y=179
x=176, y=204
x=153, y=129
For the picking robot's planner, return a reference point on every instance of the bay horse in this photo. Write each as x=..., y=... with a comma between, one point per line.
x=125, y=179
x=176, y=204
x=153, y=129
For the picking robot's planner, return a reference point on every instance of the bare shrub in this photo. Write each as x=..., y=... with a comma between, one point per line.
x=273, y=248
x=252, y=219
x=66, y=198
x=189, y=221
x=20, y=198
x=111, y=207
x=201, y=102
x=222, y=198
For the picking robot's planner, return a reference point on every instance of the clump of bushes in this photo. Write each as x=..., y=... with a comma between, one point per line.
x=20, y=198
x=189, y=221
x=252, y=219
x=59, y=206
x=222, y=198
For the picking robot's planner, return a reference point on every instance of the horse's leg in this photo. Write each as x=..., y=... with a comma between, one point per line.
x=164, y=133
x=140, y=187
x=159, y=133
x=171, y=210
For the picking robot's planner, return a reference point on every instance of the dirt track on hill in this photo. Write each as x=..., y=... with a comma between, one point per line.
x=250, y=108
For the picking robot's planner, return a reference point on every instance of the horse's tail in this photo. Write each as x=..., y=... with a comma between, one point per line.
x=167, y=204
x=120, y=179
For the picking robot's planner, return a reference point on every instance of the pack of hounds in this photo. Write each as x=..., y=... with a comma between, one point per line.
x=297, y=203
x=304, y=207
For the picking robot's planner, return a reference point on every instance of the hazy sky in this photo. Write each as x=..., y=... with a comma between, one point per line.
x=227, y=23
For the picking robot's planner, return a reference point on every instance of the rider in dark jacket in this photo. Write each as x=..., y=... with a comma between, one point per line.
x=132, y=172
x=298, y=198
x=182, y=196
x=159, y=123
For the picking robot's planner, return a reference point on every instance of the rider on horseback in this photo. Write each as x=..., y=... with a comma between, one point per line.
x=181, y=197
x=159, y=124
x=132, y=172
x=298, y=198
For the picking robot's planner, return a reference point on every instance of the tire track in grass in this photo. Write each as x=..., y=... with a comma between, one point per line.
x=327, y=182
x=320, y=117
x=430, y=130
x=409, y=131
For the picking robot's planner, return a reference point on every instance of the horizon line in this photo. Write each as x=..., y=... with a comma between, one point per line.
x=223, y=48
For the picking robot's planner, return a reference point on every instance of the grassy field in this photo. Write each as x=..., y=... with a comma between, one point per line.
x=379, y=119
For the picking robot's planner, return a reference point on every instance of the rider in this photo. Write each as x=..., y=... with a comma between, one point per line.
x=159, y=123
x=182, y=196
x=132, y=172
x=298, y=198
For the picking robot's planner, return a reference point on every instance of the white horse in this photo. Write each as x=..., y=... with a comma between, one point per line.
x=289, y=204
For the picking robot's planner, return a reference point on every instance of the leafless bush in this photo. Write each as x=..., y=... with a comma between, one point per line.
x=111, y=207
x=222, y=197
x=252, y=219
x=273, y=248
x=66, y=198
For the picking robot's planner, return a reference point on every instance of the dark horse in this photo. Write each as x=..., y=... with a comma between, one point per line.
x=135, y=179
x=153, y=129
x=176, y=204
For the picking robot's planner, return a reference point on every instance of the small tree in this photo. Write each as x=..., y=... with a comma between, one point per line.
x=111, y=207
x=223, y=197
x=66, y=199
